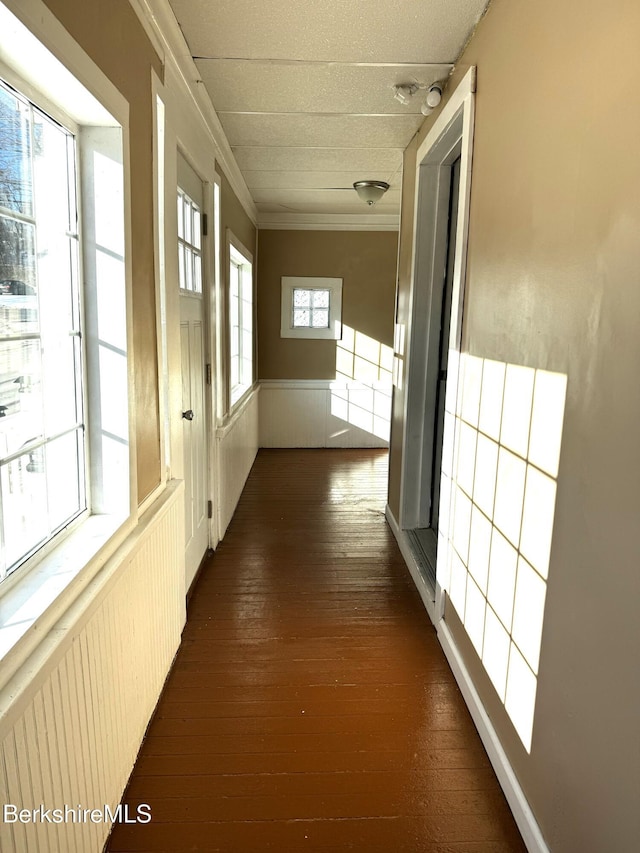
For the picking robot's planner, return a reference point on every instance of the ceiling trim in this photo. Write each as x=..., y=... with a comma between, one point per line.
x=315, y=114
x=446, y=67
x=167, y=30
x=328, y=222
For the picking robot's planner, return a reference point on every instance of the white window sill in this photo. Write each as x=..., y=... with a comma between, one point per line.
x=34, y=599
x=236, y=410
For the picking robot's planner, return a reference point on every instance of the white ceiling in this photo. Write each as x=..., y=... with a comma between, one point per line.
x=304, y=92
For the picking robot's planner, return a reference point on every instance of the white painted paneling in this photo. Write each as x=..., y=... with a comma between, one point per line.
x=73, y=718
x=324, y=414
x=329, y=131
x=237, y=443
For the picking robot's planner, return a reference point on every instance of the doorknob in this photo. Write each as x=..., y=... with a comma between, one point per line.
x=188, y=415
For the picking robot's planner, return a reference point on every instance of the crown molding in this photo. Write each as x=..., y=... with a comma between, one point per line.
x=163, y=29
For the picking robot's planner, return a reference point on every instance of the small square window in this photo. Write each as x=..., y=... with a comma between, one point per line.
x=311, y=308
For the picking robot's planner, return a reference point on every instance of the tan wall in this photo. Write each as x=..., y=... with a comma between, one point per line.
x=552, y=283
x=115, y=40
x=365, y=260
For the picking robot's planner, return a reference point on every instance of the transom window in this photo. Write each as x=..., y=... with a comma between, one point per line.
x=189, y=244
x=42, y=440
x=311, y=308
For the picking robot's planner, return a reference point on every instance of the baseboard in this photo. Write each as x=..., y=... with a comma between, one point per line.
x=518, y=804
x=425, y=592
x=522, y=814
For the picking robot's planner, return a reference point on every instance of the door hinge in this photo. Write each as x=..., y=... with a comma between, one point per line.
x=205, y=225
x=209, y=509
x=207, y=373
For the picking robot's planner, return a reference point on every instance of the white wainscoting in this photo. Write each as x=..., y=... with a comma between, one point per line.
x=323, y=413
x=237, y=441
x=73, y=717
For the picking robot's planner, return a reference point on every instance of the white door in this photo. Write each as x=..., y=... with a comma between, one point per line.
x=193, y=339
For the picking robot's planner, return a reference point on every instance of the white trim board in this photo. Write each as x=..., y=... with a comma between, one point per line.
x=507, y=778
x=163, y=22
x=524, y=817
x=414, y=571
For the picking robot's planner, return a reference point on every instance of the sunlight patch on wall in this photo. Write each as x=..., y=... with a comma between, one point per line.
x=500, y=469
x=361, y=395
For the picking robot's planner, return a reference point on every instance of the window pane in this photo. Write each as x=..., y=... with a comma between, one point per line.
x=40, y=344
x=21, y=415
x=24, y=505
x=247, y=285
x=320, y=318
x=187, y=221
x=61, y=398
x=180, y=216
x=320, y=298
x=234, y=374
x=197, y=273
x=16, y=181
x=301, y=298
x=234, y=283
x=301, y=317
x=57, y=300
x=50, y=181
x=197, y=227
x=18, y=303
x=64, y=467
x=188, y=268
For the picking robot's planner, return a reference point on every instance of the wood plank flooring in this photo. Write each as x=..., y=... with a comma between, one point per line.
x=310, y=707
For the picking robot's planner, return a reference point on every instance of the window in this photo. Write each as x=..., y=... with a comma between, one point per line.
x=240, y=320
x=189, y=244
x=311, y=307
x=42, y=467
x=67, y=481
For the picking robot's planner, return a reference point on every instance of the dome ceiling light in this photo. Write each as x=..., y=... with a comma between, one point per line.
x=371, y=191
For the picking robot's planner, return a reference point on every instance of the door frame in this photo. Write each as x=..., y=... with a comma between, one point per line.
x=450, y=135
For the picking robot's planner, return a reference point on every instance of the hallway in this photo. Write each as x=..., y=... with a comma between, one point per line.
x=310, y=707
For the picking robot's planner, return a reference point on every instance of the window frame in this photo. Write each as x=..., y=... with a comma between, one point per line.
x=242, y=258
x=27, y=93
x=38, y=54
x=289, y=284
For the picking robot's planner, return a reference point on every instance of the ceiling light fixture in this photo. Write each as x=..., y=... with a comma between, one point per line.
x=433, y=98
x=404, y=92
x=370, y=191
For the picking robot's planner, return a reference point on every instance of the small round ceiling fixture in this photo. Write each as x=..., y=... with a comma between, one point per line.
x=370, y=191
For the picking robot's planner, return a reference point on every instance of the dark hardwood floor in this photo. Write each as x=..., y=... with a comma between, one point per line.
x=310, y=707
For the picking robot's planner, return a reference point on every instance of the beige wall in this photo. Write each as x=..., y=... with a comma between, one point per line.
x=115, y=40
x=553, y=260
x=365, y=260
